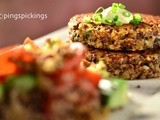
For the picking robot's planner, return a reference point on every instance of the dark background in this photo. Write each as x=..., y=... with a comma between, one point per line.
x=58, y=12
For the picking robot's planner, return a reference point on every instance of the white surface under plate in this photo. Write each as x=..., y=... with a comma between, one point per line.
x=145, y=94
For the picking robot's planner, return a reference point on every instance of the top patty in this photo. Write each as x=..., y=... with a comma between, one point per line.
x=110, y=37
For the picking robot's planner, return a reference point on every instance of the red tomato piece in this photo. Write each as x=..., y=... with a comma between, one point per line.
x=17, y=52
x=7, y=67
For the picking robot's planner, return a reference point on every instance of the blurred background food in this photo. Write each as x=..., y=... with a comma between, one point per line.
x=58, y=14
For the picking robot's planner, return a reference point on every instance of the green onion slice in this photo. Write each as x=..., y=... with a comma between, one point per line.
x=126, y=13
x=97, y=18
x=108, y=21
x=99, y=10
x=121, y=6
x=138, y=17
x=115, y=18
x=114, y=9
x=87, y=19
x=114, y=4
x=118, y=23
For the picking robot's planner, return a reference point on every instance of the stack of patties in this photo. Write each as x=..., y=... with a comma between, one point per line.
x=129, y=44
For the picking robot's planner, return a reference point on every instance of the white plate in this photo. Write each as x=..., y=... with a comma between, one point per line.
x=145, y=93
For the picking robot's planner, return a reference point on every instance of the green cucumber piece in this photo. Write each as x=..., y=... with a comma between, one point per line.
x=1, y=92
x=22, y=83
x=119, y=96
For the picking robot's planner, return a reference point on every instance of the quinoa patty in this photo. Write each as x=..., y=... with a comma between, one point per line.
x=127, y=65
x=110, y=37
x=154, y=21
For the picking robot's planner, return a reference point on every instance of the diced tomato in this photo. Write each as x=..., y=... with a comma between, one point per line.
x=93, y=77
x=80, y=74
x=87, y=75
x=21, y=54
x=7, y=67
x=17, y=52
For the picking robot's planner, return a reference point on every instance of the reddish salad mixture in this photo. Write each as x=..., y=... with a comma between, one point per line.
x=49, y=83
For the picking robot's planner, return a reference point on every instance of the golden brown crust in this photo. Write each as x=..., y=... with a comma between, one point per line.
x=126, y=37
x=127, y=65
x=154, y=21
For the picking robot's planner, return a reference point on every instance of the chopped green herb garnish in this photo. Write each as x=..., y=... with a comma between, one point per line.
x=114, y=15
x=118, y=23
x=114, y=4
x=97, y=18
x=137, y=18
x=107, y=21
x=87, y=19
x=121, y=6
x=114, y=7
x=115, y=18
x=99, y=10
x=126, y=13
